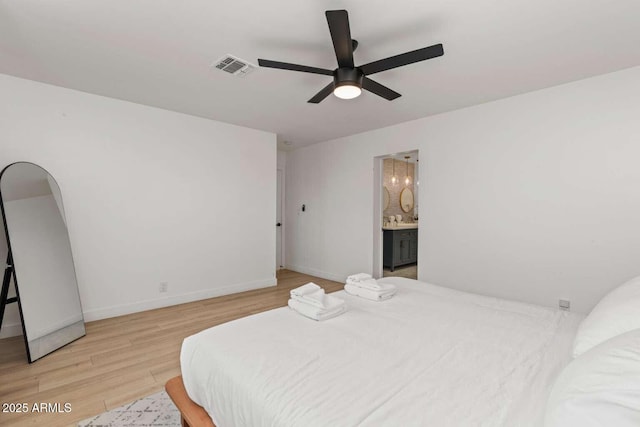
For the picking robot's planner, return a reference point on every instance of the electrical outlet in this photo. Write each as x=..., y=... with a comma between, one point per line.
x=164, y=287
x=564, y=304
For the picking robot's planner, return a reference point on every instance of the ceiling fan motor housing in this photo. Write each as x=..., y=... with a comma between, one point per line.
x=348, y=76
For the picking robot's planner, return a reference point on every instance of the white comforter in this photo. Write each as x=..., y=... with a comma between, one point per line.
x=430, y=356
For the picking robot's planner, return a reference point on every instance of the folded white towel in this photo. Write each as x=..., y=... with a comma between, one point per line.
x=320, y=300
x=387, y=292
x=305, y=289
x=315, y=298
x=316, y=313
x=367, y=284
x=358, y=277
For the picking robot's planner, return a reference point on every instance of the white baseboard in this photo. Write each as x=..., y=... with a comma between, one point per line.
x=10, y=330
x=317, y=273
x=14, y=329
x=120, y=310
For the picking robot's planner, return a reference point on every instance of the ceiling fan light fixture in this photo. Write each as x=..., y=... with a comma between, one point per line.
x=347, y=83
x=347, y=91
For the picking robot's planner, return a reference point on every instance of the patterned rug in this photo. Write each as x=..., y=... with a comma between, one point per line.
x=156, y=410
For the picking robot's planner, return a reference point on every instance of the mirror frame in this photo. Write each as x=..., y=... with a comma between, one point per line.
x=401, y=197
x=386, y=197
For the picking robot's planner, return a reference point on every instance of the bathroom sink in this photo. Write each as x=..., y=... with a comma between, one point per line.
x=404, y=225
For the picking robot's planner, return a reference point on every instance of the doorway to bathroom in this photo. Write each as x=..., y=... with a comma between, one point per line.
x=396, y=216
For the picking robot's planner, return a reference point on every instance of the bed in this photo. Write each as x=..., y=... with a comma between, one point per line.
x=428, y=356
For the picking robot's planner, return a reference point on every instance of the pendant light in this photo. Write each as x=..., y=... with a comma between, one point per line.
x=394, y=178
x=407, y=179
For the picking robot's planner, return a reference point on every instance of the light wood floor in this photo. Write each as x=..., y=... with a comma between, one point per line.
x=123, y=358
x=408, y=271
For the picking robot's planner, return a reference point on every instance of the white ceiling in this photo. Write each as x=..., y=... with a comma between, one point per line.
x=159, y=53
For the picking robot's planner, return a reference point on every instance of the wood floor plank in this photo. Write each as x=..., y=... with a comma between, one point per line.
x=124, y=358
x=9, y=389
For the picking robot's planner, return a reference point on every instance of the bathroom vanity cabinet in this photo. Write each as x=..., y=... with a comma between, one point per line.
x=400, y=247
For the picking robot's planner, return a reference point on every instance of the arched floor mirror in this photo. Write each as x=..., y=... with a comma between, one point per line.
x=39, y=260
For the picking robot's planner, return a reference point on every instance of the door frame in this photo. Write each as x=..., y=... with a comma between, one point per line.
x=378, y=209
x=280, y=201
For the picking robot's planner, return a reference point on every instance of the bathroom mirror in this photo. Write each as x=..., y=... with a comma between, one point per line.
x=43, y=272
x=406, y=200
x=385, y=197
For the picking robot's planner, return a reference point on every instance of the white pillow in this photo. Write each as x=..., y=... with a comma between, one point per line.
x=618, y=312
x=599, y=388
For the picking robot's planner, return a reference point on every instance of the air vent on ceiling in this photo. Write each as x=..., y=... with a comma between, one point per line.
x=233, y=65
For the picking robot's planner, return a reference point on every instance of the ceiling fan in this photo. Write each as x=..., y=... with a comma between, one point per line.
x=349, y=80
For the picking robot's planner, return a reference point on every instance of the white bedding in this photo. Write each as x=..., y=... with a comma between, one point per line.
x=430, y=356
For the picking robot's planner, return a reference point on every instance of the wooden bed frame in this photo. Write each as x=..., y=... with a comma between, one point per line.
x=191, y=414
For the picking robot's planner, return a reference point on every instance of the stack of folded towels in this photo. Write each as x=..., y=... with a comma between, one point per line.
x=311, y=301
x=365, y=286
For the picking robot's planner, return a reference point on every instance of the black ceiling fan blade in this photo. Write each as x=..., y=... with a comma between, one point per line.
x=379, y=89
x=338, y=21
x=326, y=91
x=293, y=67
x=403, y=59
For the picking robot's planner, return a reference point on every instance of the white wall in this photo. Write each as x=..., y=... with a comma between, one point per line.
x=532, y=198
x=150, y=196
x=282, y=159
